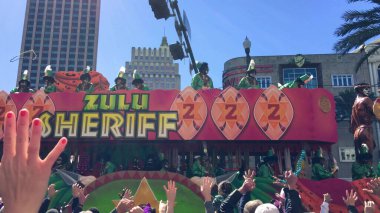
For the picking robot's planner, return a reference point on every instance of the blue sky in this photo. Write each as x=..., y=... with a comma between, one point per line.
x=275, y=27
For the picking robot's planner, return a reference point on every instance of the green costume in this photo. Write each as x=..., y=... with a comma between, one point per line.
x=318, y=172
x=265, y=169
x=109, y=168
x=86, y=87
x=198, y=169
x=298, y=82
x=248, y=81
x=137, y=80
x=49, y=80
x=23, y=84
x=201, y=79
x=362, y=168
x=122, y=76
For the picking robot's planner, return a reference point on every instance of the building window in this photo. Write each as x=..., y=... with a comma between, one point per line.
x=347, y=154
x=342, y=80
x=264, y=81
x=290, y=74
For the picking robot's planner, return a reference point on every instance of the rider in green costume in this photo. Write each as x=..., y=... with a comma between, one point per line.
x=86, y=84
x=249, y=81
x=49, y=80
x=120, y=81
x=201, y=80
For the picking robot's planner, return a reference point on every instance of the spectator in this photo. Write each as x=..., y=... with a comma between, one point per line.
x=252, y=205
x=266, y=208
x=292, y=198
x=350, y=200
x=224, y=189
x=326, y=201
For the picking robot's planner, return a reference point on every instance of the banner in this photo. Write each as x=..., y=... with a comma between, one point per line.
x=246, y=115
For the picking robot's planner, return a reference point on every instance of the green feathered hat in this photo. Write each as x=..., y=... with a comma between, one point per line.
x=25, y=77
x=202, y=65
x=271, y=156
x=121, y=75
x=137, y=78
x=86, y=74
x=363, y=153
x=49, y=75
x=251, y=67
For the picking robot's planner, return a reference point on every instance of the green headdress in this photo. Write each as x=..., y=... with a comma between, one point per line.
x=86, y=74
x=121, y=75
x=201, y=66
x=251, y=67
x=363, y=152
x=25, y=77
x=137, y=78
x=271, y=156
x=49, y=75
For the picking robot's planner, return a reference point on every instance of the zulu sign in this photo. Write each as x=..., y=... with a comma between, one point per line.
x=264, y=115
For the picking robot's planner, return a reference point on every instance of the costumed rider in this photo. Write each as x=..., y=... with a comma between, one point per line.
x=198, y=169
x=266, y=168
x=298, y=83
x=249, y=81
x=23, y=84
x=120, y=81
x=86, y=85
x=202, y=80
x=361, y=118
x=138, y=82
x=49, y=80
x=362, y=168
x=318, y=171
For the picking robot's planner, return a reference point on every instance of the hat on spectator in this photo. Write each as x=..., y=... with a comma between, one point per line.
x=267, y=208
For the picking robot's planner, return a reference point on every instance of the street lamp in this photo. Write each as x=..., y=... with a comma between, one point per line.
x=247, y=48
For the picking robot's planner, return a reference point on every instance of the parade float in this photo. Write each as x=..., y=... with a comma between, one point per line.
x=234, y=124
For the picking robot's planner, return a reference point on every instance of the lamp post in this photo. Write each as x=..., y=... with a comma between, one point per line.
x=247, y=48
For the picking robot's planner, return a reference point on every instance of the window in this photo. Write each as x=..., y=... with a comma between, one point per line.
x=342, y=80
x=290, y=74
x=347, y=154
x=264, y=81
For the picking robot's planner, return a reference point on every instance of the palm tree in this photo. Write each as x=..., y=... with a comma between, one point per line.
x=359, y=27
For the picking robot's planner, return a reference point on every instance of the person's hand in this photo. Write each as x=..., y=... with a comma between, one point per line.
x=247, y=186
x=249, y=174
x=277, y=181
x=51, y=192
x=76, y=190
x=136, y=209
x=369, y=206
x=162, y=207
x=327, y=198
x=206, y=188
x=82, y=197
x=373, y=187
x=171, y=192
x=124, y=205
x=351, y=198
x=22, y=172
x=127, y=193
x=291, y=179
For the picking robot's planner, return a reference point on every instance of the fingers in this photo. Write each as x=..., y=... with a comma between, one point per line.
x=22, y=134
x=9, y=147
x=35, y=140
x=54, y=154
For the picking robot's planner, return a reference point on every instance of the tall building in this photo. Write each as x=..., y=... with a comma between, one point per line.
x=62, y=33
x=155, y=66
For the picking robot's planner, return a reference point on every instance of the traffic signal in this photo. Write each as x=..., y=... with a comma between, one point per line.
x=160, y=9
x=177, y=51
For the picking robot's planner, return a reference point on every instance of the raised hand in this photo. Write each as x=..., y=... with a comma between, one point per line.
x=249, y=174
x=136, y=209
x=124, y=205
x=206, y=188
x=369, y=207
x=351, y=198
x=327, y=198
x=51, y=191
x=76, y=190
x=171, y=192
x=373, y=187
x=291, y=179
x=162, y=207
x=22, y=172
